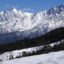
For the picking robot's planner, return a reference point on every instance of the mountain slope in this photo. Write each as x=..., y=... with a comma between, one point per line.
x=17, y=25
x=48, y=38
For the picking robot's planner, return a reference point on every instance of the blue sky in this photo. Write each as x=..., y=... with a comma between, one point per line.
x=34, y=5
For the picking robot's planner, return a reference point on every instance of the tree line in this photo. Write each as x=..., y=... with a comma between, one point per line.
x=50, y=37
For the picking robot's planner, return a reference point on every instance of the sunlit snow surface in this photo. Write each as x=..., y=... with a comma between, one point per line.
x=50, y=58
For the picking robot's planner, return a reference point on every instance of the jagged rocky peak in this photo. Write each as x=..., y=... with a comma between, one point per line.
x=56, y=10
x=14, y=10
x=61, y=7
x=11, y=9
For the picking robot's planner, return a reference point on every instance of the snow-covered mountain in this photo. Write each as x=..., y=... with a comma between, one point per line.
x=16, y=24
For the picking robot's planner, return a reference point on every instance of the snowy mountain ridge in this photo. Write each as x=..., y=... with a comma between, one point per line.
x=28, y=25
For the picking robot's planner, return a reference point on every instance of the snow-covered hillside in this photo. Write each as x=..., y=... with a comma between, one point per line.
x=29, y=51
x=50, y=58
x=16, y=24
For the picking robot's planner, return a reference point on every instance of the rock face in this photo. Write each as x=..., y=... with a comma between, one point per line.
x=18, y=25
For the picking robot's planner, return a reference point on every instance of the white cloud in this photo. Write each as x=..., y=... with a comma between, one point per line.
x=28, y=9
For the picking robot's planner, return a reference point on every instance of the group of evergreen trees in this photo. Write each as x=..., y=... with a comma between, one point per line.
x=43, y=50
x=50, y=37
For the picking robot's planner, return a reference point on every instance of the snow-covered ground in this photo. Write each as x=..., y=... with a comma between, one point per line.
x=19, y=53
x=50, y=58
